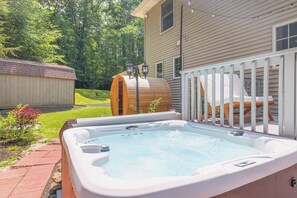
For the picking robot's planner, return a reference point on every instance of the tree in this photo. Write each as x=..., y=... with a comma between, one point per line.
x=29, y=28
x=3, y=37
x=99, y=38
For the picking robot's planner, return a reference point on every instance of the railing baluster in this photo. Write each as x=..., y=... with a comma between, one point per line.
x=253, y=96
x=183, y=97
x=187, y=96
x=281, y=96
x=222, y=88
x=205, y=95
x=295, y=135
x=199, y=101
x=265, y=96
x=192, y=97
x=241, y=111
x=213, y=100
x=231, y=123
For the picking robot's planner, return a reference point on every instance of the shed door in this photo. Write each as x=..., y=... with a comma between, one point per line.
x=120, y=101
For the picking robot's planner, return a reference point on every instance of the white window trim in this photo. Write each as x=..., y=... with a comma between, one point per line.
x=156, y=71
x=161, y=18
x=173, y=66
x=274, y=33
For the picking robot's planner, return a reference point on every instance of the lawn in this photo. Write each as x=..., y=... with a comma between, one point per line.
x=89, y=96
x=51, y=123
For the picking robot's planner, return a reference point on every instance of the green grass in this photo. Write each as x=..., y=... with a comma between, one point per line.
x=88, y=96
x=8, y=162
x=14, y=148
x=51, y=123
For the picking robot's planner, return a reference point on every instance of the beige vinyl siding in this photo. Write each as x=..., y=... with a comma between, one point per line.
x=163, y=47
x=36, y=91
x=216, y=39
x=208, y=40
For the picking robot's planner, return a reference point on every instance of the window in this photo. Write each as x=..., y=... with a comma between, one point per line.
x=159, y=70
x=177, y=67
x=286, y=36
x=166, y=15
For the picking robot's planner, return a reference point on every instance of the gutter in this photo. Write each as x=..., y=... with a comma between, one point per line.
x=140, y=11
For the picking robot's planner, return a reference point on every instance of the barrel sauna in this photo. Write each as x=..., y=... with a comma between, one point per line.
x=123, y=94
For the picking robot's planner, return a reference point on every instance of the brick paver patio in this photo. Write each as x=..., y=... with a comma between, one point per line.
x=29, y=176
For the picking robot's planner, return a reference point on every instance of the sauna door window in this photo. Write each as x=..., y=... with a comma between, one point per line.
x=120, y=100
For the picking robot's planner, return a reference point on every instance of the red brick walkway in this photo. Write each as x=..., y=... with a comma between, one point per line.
x=29, y=176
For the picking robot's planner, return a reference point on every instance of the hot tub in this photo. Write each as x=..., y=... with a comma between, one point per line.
x=170, y=159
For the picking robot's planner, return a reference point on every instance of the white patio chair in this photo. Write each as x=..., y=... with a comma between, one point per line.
x=236, y=97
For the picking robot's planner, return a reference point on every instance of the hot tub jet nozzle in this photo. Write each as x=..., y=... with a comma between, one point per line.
x=104, y=148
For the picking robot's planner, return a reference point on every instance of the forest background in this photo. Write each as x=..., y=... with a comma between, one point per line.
x=95, y=37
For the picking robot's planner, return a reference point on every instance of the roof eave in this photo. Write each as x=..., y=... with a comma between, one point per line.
x=141, y=10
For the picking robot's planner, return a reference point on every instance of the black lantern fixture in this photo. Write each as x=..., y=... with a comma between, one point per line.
x=133, y=72
x=129, y=69
x=145, y=69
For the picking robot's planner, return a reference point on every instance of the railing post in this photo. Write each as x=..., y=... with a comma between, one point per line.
x=199, y=101
x=205, y=95
x=253, y=96
x=213, y=99
x=281, y=97
x=222, y=89
x=231, y=122
x=295, y=96
x=289, y=95
x=192, y=97
x=265, y=96
x=183, y=95
x=187, y=97
x=241, y=109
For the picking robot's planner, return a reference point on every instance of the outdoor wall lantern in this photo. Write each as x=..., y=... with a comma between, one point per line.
x=133, y=72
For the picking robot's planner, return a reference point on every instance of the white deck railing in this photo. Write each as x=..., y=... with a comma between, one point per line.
x=197, y=78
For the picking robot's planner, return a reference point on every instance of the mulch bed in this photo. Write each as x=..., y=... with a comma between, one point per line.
x=54, y=183
x=5, y=154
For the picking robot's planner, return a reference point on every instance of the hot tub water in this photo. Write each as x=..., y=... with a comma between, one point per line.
x=141, y=155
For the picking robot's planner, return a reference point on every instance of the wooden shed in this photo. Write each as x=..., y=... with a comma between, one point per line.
x=36, y=84
x=123, y=94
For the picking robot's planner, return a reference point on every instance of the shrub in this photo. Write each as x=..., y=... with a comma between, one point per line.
x=154, y=105
x=20, y=123
x=152, y=108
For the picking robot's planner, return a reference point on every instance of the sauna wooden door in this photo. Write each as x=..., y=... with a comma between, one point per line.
x=120, y=100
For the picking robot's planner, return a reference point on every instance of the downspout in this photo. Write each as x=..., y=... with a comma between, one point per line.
x=181, y=45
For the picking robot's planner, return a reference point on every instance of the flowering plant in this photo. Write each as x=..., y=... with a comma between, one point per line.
x=24, y=116
x=19, y=123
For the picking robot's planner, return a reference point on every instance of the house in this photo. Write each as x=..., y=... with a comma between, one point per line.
x=36, y=84
x=214, y=32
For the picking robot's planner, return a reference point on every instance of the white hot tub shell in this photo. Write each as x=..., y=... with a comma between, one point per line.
x=89, y=180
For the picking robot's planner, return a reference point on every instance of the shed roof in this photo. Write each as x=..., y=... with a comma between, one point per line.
x=144, y=7
x=30, y=68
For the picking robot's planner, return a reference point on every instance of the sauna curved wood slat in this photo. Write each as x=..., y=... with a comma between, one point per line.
x=149, y=89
